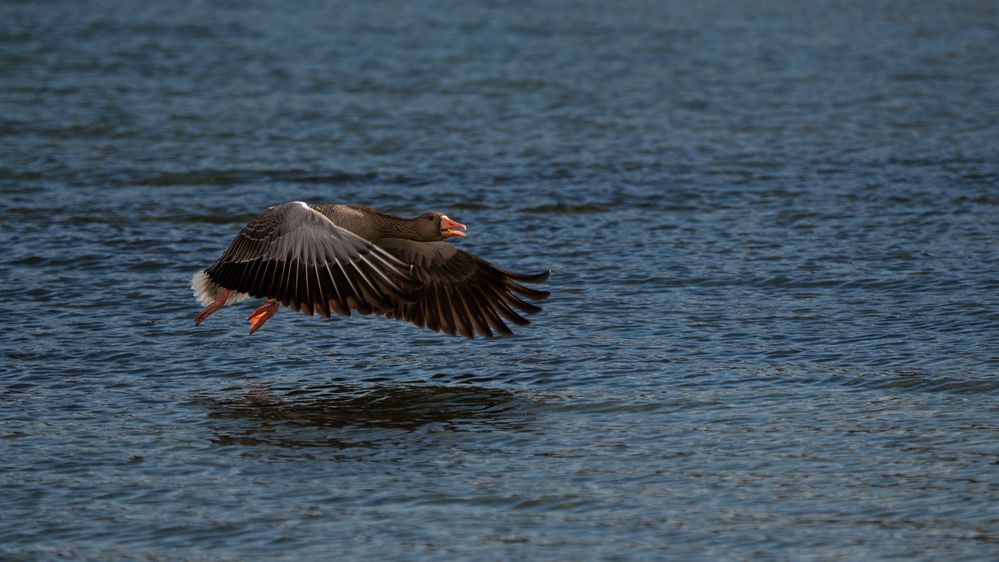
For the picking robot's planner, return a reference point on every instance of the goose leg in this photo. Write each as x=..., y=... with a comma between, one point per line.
x=263, y=314
x=208, y=310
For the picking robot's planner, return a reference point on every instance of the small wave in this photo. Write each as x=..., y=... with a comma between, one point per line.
x=920, y=381
x=564, y=208
x=230, y=177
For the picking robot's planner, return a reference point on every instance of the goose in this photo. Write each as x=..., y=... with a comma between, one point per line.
x=324, y=259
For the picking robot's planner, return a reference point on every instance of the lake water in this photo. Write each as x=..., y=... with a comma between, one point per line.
x=773, y=230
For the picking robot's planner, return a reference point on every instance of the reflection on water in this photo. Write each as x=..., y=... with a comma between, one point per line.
x=350, y=416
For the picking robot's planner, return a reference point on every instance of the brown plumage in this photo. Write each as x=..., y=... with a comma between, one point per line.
x=339, y=258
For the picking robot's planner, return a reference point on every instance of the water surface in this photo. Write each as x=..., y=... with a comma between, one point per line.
x=772, y=230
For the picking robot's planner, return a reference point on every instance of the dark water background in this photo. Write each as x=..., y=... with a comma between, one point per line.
x=774, y=329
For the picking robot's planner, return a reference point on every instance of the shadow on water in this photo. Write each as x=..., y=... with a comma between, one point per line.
x=343, y=416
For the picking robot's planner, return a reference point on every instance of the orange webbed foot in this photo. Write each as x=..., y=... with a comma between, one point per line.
x=263, y=314
x=219, y=302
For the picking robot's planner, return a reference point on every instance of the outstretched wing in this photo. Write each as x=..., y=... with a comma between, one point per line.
x=462, y=293
x=294, y=254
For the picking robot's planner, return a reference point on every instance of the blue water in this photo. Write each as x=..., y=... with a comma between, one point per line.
x=772, y=227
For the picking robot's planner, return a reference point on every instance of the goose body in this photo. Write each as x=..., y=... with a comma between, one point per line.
x=327, y=259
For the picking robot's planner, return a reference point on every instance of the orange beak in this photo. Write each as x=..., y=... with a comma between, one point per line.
x=448, y=227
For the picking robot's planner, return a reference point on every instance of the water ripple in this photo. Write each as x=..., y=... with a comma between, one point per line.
x=772, y=328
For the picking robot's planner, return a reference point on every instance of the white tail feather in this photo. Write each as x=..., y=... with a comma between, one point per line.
x=206, y=291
